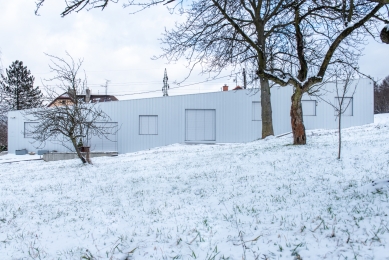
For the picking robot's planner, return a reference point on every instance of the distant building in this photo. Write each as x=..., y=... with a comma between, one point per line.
x=66, y=99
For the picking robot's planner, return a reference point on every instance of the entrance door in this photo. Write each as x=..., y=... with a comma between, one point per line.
x=200, y=125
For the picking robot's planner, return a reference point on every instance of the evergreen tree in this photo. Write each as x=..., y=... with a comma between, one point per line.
x=17, y=88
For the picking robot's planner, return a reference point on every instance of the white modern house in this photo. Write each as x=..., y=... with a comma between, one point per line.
x=219, y=117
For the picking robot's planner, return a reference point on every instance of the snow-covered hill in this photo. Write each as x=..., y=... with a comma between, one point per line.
x=261, y=200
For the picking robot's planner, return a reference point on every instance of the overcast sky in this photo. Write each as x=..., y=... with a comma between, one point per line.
x=115, y=46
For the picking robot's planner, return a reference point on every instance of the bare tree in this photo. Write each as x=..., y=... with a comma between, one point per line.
x=296, y=43
x=322, y=36
x=69, y=122
x=229, y=33
x=222, y=34
x=78, y=5
x=343, y=99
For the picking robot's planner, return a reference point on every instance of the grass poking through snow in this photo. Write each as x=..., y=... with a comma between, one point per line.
x=260, y=200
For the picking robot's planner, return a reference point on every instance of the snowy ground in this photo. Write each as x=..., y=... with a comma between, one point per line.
x=261, y=200
x=7, y=158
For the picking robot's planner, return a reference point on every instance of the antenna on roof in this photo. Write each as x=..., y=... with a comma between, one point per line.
x=106, y=88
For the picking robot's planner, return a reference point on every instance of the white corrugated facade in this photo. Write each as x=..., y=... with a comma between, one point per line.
x=220, y=117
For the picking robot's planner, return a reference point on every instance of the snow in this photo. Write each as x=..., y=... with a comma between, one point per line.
x=387, y=27
x=6, y=158
x=264, y=199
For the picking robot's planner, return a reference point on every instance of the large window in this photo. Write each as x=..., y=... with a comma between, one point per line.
x=200, y=125
x=309, y=107
x=347, y=106
x=28, y=128
x=148, y=125
x=256, y=107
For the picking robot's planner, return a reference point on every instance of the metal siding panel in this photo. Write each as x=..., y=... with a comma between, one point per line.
x=143, y=125
x=191, y=116
x=308, y=107
x=209, y=125
x=28, y=127
x=108, y=143
x=256, y=111
x=153, y=125
x=200, y=125
x=281, y=103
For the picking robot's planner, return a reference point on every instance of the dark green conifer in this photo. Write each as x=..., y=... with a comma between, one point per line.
x=17, y=87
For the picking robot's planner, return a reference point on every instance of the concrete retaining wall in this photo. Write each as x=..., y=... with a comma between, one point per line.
x=48, y=157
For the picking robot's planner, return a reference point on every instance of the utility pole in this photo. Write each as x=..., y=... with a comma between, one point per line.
x=244, y=79
x=165, y=84
x=106, y=88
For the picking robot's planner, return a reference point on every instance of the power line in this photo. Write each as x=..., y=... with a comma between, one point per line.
x=152, y=91
x=101, y=70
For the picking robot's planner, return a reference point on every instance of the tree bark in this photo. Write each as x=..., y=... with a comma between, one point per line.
x=296, y=114
x=74, y=142
x=339, y=129
x=266, y=110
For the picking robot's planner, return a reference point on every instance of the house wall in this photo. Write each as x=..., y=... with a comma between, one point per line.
x=233, y=117
x=61, y=102
x=361, y=90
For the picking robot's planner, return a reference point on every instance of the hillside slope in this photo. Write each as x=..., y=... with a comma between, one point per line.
x=261, y=200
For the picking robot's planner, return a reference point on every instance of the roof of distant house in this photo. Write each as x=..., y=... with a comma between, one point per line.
x=93, y=98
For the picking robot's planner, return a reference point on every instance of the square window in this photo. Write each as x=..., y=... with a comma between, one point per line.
x=148, y=125
x=200, y=125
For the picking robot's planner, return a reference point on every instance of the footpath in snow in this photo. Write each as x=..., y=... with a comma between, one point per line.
x=266, y=199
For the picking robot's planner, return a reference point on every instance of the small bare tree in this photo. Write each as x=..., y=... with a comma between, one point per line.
x=343, y=101
x=68, y=122
x=345, y=90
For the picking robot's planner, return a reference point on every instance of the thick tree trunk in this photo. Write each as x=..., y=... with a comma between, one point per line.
x=296, y=114
x=266, y=114
x=74, y=142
